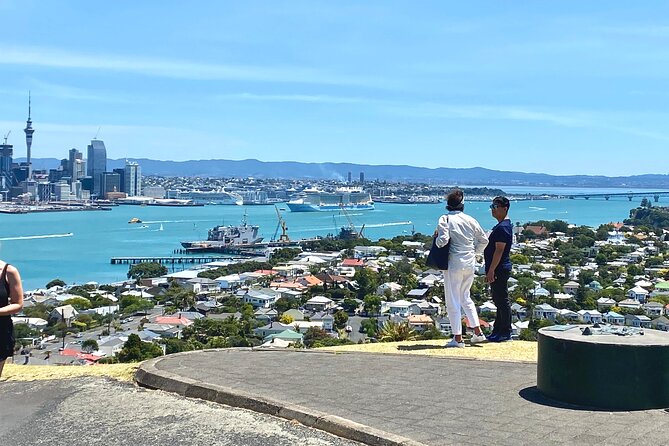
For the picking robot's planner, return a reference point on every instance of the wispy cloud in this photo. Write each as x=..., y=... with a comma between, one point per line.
x=512, y=113
x=294, y=98
x=49, y=89
x=176, y=69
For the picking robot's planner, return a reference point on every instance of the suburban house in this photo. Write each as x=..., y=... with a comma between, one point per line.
x=431, y=280
x=324, y=318
x=295, y=314
x=614, y=318
x=653, y=309
x=630, y=304
x=420, y=322
x=570, y=287
x=229, y=282
x=569, y=314
x=604, y=303
x=319, y=303
x=639, y=321
x=202, y=285
x=258, y=299
x=401, y=308
x=590, y=316
x=487, y=307
x=545, y=311
x=391, y=287
x=637, y=293
x=66, y=314
x=660, y=323
x=266, y=315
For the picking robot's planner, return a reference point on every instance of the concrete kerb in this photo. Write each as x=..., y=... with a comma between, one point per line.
x=148, y=375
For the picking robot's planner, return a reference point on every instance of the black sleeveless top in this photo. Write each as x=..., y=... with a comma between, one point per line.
x=4, y=295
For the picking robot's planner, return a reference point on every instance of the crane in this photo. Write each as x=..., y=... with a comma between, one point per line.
x=7, y=136
x=281, y=224
x=352, y=231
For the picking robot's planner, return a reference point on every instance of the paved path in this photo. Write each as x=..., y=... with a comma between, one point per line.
x=99, y=411
x=433, y=401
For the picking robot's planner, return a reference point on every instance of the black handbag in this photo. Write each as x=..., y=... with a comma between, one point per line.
x=438, y=257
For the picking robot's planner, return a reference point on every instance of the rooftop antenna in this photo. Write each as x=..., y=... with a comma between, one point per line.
x=97, y=133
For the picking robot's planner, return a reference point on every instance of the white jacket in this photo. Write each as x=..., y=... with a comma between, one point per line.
x=466, y=236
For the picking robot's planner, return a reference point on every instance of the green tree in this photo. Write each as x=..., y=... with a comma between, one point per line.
x=349, y=305
x=552, y=285
x=79, y=303
x=135, y=350
x=372, y=304
x=134, y=304
x=146, y=270
x=340, y=319
x=55, y=282
x=89, y=345
x=284, y=304
x=367, y=281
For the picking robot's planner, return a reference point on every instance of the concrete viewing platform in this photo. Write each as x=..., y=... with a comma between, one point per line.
x=400, y=399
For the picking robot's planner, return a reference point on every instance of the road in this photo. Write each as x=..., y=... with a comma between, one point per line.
x=94, y=411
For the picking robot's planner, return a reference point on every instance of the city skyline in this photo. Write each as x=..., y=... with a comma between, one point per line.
x=558, y=89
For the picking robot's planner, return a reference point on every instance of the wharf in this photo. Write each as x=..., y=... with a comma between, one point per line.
x=167, y=260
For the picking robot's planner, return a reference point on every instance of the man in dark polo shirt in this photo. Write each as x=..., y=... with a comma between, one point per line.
x=498, y=268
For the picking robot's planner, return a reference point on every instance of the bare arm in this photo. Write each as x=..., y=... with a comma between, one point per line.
x=15, y=292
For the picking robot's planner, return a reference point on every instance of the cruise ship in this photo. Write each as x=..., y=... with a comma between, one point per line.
x=220, y=196
x=313, y=200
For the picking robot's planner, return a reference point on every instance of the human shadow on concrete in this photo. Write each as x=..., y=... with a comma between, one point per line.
x=533, y=395
x=420, y=347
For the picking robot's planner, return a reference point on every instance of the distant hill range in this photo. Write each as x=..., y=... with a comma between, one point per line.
x=441, y=175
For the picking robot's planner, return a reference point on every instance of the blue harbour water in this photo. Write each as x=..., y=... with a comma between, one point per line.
x=39, y=244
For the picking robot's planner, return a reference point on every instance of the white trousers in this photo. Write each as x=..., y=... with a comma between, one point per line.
x=457, y=285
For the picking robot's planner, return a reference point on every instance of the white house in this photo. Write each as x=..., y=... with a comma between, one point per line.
x=637, y=293
x=230, y=282
x=487, y=307
x=570, y=287
x=392, y=287
x=563, y=297
x=545, y=311
x=400, y=307
x=259, y=299
x=590, y=316
x=65, y=313
x=604, y=303
x=318, y=303
x=568, y=314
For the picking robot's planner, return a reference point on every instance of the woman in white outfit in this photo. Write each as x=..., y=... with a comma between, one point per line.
x=467, y=240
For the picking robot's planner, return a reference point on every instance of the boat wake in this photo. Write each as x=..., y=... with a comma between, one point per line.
x=175, y=221
x=383, y=225
x=536, y=208
x=33, y=237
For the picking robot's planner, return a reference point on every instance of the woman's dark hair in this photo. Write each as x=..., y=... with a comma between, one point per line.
x=502, y=202
x=455, y=200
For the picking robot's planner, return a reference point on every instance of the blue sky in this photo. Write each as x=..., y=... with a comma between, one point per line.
x=567, y=87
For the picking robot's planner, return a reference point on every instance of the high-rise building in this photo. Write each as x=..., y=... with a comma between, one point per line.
x=132, y=179
x=74, y=156
x=29, y=139
x=349, y=178
x=362, y=177
x=78, y=169
x=6, y=176
x=111, y=182
x=121, y=172
x=97, y=165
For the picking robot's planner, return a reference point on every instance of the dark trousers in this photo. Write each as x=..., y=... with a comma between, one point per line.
x=500, y=297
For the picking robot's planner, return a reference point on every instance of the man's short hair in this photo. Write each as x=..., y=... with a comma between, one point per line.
x=502, y=201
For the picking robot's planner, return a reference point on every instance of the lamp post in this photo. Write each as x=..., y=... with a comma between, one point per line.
x=62, y=318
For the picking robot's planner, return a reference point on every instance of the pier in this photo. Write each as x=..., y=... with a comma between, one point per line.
x=168, y=260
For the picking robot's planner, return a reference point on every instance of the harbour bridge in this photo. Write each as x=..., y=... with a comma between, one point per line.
x=630, y=195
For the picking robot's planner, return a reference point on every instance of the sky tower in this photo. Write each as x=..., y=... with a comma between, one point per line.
x=29, y=140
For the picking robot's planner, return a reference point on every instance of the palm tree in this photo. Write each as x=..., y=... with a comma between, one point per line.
x=393, y=332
